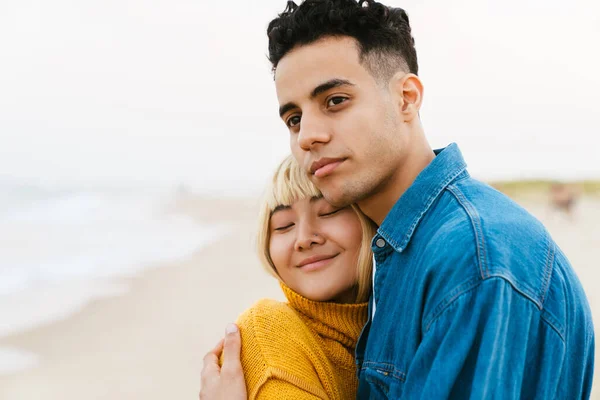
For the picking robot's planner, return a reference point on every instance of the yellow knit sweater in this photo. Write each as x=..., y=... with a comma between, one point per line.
x=301, y=349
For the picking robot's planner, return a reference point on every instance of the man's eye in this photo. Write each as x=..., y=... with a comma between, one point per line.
x=293, y=121
x=334, y=101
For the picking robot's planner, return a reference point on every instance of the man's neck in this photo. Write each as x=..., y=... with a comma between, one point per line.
x=378, y=205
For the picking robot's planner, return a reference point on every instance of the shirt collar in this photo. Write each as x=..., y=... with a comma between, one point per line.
x=400, y=223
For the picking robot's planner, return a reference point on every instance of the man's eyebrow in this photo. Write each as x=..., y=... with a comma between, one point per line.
x=323, y=87
x=330, y=84
x=285, y=108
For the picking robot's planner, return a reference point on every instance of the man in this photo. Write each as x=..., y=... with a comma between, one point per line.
x=472, y=298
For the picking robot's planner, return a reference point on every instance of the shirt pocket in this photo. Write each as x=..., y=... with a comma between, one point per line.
x=384, y=380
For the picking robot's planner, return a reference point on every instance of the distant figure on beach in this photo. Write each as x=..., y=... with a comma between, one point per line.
x=471, y=297
x=563, y=197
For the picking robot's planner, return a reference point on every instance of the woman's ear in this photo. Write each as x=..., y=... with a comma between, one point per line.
x=407, y=90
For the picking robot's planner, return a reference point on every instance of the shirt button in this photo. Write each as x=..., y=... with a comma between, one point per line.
x=380, y=243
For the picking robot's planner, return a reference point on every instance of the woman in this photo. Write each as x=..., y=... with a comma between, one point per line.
x=321, y=254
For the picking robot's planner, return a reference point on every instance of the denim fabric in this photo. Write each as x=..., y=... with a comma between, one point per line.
x=473, y=299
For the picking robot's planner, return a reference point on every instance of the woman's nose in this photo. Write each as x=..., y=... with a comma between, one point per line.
x=308, y=237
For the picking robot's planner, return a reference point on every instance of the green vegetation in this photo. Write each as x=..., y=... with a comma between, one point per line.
x=525, y=187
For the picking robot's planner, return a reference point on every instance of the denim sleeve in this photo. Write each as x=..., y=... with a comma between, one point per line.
x=488, y=343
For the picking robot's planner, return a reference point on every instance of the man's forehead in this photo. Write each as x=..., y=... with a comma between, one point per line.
x=308, y=66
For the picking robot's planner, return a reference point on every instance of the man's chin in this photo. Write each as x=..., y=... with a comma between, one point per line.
x=332, y=189
x=336, y=199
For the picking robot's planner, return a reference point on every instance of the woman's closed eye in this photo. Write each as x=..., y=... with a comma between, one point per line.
x=283, y=227
x=327, y=214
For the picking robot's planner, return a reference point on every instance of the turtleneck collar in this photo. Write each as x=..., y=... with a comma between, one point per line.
x=341, y=323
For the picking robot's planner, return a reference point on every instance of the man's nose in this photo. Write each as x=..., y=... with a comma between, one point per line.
x=313, y=131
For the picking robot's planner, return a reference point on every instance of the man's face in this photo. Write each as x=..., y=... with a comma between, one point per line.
x=344, y=127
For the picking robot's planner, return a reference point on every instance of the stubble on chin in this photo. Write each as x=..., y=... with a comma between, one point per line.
x=330, y=193
x=347, y=193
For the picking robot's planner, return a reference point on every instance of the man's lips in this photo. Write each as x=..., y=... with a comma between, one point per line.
x=325, y=166
x=315, y=262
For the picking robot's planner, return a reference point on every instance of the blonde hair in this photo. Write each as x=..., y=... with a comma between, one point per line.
x=290, y=184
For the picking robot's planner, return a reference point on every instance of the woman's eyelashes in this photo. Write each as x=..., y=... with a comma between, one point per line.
x=326, y=214
x=283, y=227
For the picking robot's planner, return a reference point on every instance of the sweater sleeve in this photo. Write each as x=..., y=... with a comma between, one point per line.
x=273, y=358
x=278, y=389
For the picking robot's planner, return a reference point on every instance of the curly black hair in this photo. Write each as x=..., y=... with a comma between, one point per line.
x=383, y=33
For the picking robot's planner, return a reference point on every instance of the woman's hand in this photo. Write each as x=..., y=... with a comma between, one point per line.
x=224, y=382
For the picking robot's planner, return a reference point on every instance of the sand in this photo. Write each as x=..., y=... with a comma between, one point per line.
x=148, y=342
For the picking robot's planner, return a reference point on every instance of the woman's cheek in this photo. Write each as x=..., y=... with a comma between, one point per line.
x=280, y=250
x=347, y=230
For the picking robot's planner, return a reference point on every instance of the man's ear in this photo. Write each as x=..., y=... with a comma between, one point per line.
x=407, y=91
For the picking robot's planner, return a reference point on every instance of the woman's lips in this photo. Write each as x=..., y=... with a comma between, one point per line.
x=317, y=264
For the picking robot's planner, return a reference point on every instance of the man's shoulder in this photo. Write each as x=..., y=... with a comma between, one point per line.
x=481, y=233
x=508, y=235
x=489, y=220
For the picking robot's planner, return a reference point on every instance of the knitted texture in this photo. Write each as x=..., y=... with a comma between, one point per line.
x=301, y=349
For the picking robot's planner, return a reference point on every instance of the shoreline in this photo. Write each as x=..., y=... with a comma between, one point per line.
x=149, y=340
x=147, y=343
x=78, y=292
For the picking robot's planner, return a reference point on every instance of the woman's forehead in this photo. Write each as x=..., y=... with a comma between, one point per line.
x=288, y=205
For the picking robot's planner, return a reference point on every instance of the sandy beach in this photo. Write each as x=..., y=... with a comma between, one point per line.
x=148, y=342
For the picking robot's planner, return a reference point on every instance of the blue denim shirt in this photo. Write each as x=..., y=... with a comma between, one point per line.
x=472, y=299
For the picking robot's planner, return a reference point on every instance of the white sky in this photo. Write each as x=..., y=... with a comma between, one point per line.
x=180, y=91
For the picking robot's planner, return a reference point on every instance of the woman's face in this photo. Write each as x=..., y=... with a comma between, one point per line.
x=314, y=247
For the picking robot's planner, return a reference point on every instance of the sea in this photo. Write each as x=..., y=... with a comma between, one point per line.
x=64, y=246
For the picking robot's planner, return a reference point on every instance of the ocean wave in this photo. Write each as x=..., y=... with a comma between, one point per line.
x=85, y=234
